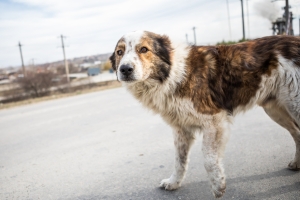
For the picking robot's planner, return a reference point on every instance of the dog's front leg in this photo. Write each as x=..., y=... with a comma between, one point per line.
x=214, y=141
x=183, y=141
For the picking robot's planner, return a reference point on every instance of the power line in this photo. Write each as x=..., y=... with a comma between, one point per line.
x=66, y=62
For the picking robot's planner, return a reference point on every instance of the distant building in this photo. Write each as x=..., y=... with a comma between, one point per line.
x=93, y=71
x=90, y=64
x=86, y=65
x=3, y=76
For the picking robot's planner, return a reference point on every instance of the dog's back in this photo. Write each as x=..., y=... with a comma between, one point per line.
x=241, y=75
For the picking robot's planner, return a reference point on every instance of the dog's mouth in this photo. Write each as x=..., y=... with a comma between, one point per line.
x=128, y=79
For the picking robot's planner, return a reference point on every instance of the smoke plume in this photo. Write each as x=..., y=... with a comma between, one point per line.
x=267, y=9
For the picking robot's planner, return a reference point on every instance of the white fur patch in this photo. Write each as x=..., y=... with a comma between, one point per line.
x=289, y=87
x=130, y=55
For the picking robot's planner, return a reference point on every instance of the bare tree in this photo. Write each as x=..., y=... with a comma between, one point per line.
x=37, y=84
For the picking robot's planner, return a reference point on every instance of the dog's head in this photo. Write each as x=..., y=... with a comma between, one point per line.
x=142, y=55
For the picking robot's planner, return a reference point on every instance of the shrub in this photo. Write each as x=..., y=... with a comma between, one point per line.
x=106, y=65
x=231, y=42
x=36, y=84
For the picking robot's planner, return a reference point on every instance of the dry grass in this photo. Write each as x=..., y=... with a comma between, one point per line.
x=111, y=85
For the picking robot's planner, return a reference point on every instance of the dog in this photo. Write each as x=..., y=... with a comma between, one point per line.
x=201, y=89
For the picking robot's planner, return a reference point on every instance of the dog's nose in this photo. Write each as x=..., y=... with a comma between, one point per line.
x=126, y=70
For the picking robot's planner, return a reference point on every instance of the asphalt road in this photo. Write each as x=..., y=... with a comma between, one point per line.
x=105, y=145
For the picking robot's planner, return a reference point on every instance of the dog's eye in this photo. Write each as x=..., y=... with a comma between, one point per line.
x=120, y=52
x=143, y=50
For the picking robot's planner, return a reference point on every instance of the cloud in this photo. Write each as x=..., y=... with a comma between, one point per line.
x=94, y=26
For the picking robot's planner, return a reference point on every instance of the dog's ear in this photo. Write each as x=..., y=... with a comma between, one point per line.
x=112, y=59
x=163, y=48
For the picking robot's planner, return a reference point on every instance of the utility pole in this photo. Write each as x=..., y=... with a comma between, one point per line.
x=287, y=11
x=66, y=62
x=248, y=19
x=229, y=25
x=243, y=20
x=186, y=37
x=195, y=42
x=32, y=61
x=23, y=67
x=287, y=16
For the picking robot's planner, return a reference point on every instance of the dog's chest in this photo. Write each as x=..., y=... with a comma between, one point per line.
x=174, y=110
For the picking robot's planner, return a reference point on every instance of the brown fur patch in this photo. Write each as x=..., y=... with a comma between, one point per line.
x=115, y=58
x=225, y=77
x=161, y=57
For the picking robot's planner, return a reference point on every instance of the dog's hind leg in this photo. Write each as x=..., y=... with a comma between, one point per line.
x=288, y=94
x=214, y=140
x=280, y=115
x=183, y=141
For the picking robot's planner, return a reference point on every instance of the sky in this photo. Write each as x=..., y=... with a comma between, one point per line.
x=94, y=26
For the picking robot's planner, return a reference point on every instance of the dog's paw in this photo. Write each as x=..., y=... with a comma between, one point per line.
x=293, y=165
x=219, y=191
x=169, y=184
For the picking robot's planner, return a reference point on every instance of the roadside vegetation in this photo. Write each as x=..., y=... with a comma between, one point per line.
x=40, y=84
x=223, y=42
x=57, y=95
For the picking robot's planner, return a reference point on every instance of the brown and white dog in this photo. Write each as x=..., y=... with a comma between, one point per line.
x=201, y=89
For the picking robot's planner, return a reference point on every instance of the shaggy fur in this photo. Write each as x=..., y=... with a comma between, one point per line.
x=201, y=89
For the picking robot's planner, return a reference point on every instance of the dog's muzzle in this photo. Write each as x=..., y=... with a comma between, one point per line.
x=126, y=70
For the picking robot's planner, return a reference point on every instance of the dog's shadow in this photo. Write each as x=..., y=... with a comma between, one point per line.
x=242, y=187
x=269, y=187
x=282, y=184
